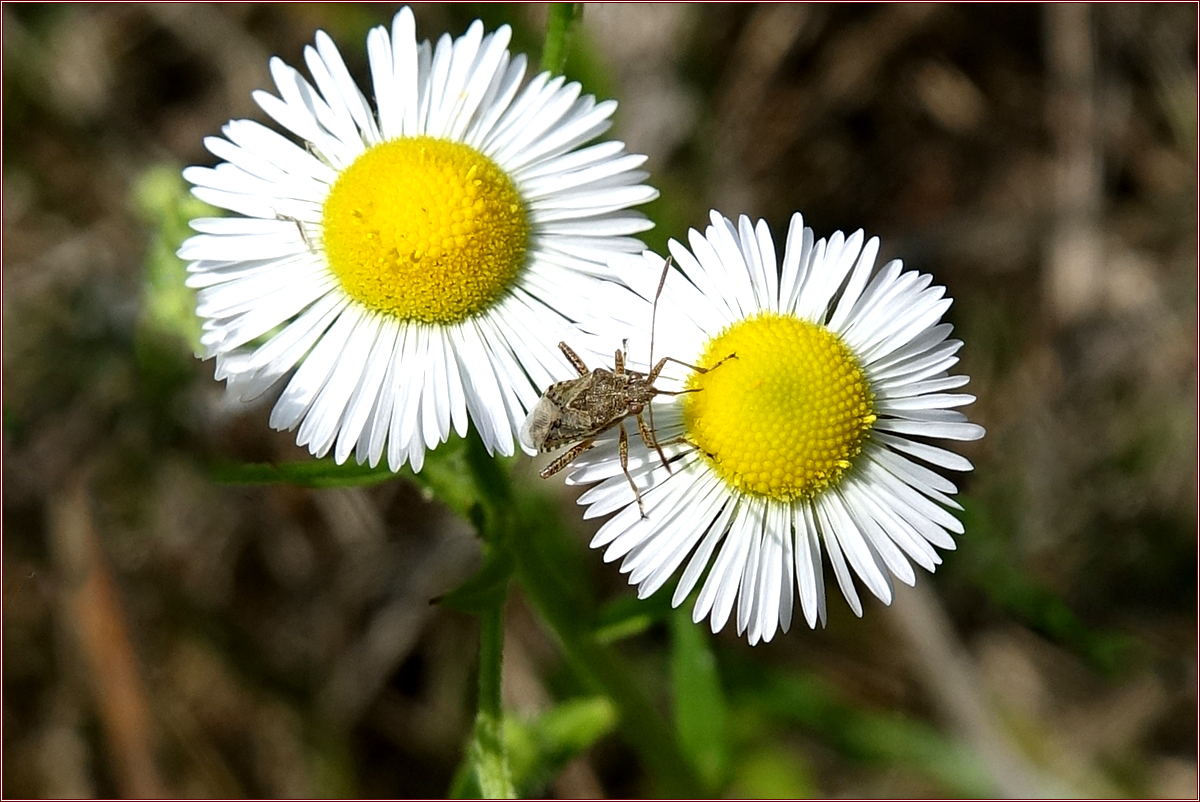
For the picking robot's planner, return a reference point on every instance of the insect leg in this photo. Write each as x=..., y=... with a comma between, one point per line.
x=623, y=449
x=574, y=359
x=663, y=362
x=299, y=227
x=566, y=459
x=682, y=438
x=651, y=441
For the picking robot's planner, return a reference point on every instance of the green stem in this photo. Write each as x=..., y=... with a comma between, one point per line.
x=559, y=21
x=491, y=658
x=491, y=513
x=491, y=757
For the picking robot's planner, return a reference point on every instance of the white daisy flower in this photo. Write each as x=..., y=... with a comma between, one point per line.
x=808, y=439
x=414, y=264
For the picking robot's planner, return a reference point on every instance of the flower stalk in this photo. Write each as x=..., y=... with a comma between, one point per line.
x=560, y=22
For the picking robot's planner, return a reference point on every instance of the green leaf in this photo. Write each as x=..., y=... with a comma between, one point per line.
x=574, y=726
x=487, y=589
x=484, y=772
x=444, y=476
x=309, y=473
x=699, y=701
x=465, y=784
x=554, y=562
x=538, y=749
x=773, y=772
x=489, y=760
x=490, y=473
x=628, y=616
x=161, y=200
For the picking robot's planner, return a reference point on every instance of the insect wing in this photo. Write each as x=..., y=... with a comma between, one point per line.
x=538, y=424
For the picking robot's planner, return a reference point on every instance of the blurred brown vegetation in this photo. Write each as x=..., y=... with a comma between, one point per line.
x=164, y=635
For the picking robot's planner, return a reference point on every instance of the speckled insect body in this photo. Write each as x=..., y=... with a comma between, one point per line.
x=579, y=410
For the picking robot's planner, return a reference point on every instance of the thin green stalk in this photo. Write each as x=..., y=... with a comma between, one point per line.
x=560, y=20
x=490, y=754
x=490, y=513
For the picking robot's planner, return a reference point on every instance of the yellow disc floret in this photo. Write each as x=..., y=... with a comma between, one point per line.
x=786, y=416
x=425, y=229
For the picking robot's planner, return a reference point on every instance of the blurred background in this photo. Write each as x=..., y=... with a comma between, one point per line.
x=167, y=635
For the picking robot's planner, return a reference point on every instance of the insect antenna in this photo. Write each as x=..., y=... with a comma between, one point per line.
x=662, y=280
x=653, y=319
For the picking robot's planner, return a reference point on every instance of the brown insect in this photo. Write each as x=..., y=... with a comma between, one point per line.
x=579, y=410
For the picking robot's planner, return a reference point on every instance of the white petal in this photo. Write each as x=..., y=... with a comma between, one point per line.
x=834, y=549
x=797, y=254
x=853, y=544
x=809, y=573
x=312, y=374
x=392, y=78
x=855, y=285
x=700, y=558
x=931, y=454
x=362, y=402
x=747, y=597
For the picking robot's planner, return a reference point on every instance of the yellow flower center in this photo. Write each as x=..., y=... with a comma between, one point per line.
x=425, y=230
x=785, y=418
